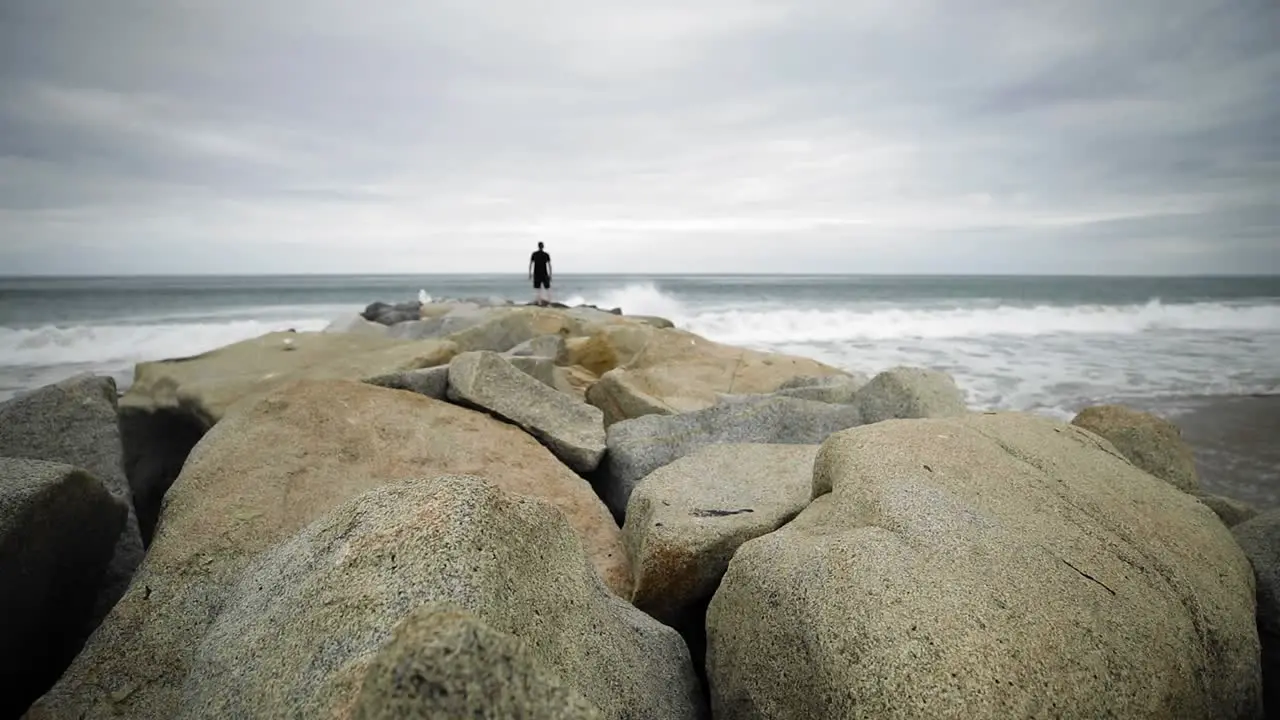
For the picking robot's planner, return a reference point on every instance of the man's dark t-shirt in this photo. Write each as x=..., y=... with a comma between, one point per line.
x=541, y=275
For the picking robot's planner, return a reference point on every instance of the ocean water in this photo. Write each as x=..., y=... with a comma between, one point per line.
x=1041, y=344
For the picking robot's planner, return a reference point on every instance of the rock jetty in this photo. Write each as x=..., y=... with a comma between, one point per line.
x=472, y=508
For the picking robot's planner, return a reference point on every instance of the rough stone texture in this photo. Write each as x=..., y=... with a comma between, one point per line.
x=910, y=392
x=1232, y=512
x=1259, y=538
x=606, y=348
x=1151, y=443
x=504, y=329
x=572, y=430
x=640, y=446
x=75, y=422
x=685, y=520
x=542, y=369
x=550, y=346
x=58, y=528
x=443, y=662
x=298, y=628
x=267, y=470
x=432, y=382
x=204, y=386
x=835, y=389
x=990, y=566
x=676, y=372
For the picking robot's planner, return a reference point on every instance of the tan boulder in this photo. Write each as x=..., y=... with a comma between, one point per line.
x=1149, y=442
x=312, y=615
x=686, y=519
x=676, y=371
x=269, y=468
x=987, y=566
x=205, y=386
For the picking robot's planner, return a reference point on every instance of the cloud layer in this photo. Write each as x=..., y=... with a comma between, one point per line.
x=723, y=135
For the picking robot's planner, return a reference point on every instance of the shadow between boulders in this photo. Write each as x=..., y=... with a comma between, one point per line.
x=156, y=446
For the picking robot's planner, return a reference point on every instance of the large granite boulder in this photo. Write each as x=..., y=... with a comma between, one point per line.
x=75, y=422
x=268, y=469
x=640, y=446
x=59, y=528
x=307, y=619
x=443, y=662
x=551, y=346
x=357, y=325
x=1151, y=443
x=676, y=372
x=1259, y=537
x=573, y=430
x=910, y=392
x=173, y=402
x=388, y=314
x=987, y=566
x=507, y=328
x=606, y=348
x=685, y=520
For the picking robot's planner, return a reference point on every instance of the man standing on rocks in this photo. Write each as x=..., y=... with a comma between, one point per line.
x=540, y=271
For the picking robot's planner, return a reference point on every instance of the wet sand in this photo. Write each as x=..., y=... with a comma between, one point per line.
x=1236, y=441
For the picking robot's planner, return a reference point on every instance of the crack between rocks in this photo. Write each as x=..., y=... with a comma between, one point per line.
x=1089, y=577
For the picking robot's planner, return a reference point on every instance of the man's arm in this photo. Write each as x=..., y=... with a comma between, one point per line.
x=548, y=267
x=531, y=266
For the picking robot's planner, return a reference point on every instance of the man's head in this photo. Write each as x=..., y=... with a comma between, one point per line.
x=539, y=246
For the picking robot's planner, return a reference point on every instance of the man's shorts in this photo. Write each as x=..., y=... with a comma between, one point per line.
x=541, y=281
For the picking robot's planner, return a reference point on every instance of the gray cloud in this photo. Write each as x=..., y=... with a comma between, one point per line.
x=737, y=135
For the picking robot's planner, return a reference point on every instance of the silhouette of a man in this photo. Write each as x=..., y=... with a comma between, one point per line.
x=540, y=271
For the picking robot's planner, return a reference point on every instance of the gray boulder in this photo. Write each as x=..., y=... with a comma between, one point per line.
x=641, y=445
x=685, y=520
x=385, y=314
x=550, y=346
x=58, y=531
x=987, y=566
x=542, y=369
x=297, y=628
x=910, y=392
x=834, y=389
x=1232, y=512
x=1260, y=540
x=432, y=382
x=572, y=430
x=443, y=662
x=75, y=422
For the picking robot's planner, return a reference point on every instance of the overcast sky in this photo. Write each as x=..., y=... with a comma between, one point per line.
x=174, y=136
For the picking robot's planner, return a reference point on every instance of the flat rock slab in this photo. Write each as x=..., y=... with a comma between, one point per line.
x=58, y=531
x=573, y=430
x=76, y=422
x=988, y=566
x=299, y=627
x=270, y=468
x=685, y=520
x=640, y=446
